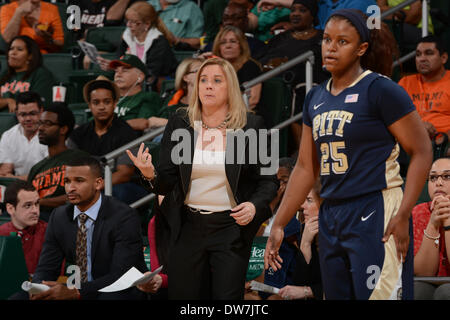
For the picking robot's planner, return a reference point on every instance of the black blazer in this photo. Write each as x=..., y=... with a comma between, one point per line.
x=116, y=245
x=246, y=182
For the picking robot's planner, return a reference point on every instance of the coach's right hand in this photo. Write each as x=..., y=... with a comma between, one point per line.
x=271, y=254
x=143, y=161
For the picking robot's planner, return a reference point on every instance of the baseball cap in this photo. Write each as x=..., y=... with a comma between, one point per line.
x=129, y=61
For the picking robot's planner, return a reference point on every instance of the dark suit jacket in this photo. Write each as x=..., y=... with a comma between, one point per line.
x=246, y=182
x=116, y=245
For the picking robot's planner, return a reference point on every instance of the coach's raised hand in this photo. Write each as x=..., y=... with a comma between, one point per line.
x=143, y=161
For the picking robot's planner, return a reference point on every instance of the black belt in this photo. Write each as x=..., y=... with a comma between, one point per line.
x=195, y=210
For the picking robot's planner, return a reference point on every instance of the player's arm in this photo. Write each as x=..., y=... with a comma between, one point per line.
x=300, y=183
x=412, y=136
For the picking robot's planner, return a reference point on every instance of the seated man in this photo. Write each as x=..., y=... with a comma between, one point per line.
x=55, y=125
x=34, y=18
x=19, y=146
x=73, y=234
x=431, y=221
x=136, y=107
x=430, y=88
x=183, y=18
x=22, y=204
x=106, y=133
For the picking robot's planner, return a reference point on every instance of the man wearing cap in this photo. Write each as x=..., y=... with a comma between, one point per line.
x=136, y=107
x=105, y=133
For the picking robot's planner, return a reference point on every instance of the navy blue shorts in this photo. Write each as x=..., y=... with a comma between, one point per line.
x=354, y=262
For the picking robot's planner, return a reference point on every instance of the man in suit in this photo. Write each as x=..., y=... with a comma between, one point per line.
x=113, y=242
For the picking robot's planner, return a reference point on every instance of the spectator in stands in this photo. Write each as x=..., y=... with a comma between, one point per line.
x=22, y=204
x=25, y=73
x=100, y=13
x=184, y=19
x=136, y=107
x=37, y=19
x=262, y=21
x=147, y=37
x=235, y=14
x=106, y=133
x=19, y=146
x=326, y=7
x=410, y=18
x=431, y=222
x=55, y=125
x=184, y=86
x=228, y=212
x=112, y=239
x=301, y=37
x=231, y=45
x=430, y=87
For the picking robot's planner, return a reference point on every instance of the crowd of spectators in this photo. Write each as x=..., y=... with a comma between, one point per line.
x=254, y=38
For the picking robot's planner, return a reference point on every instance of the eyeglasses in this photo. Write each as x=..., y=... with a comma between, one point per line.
x=47, y=123
x=231, y=41
x=133, y=23
x=434, y=177
x=31, y=114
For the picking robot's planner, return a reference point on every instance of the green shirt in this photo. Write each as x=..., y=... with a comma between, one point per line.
x=40, y=81
x=184, y=18
x=267, y=19
x=140, y=105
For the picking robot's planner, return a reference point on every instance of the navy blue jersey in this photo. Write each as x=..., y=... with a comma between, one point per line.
x=357, y=153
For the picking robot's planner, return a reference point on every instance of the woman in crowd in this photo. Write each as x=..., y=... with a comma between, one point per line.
x=147, y=37
x=184, y=86
x=213, y=207
x=25, y=72
x=352, y=127
x=431, y=234
x=231, y=45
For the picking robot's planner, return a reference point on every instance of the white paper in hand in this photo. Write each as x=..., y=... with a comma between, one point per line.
x=34, y=288
x=90, y=50
x=258, y=286
x=131, y=278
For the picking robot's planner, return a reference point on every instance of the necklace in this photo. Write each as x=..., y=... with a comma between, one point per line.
x=220, y=126
x=300, y=34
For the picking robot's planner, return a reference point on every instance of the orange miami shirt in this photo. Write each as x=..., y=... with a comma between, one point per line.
x=48, y=181
x=432, y=99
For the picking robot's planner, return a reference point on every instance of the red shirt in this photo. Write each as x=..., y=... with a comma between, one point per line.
x=421, y=215
x=154, y=261
x=32, y=241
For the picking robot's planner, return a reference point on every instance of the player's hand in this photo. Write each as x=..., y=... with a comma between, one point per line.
x=143, y=161
x=271, y=254
x=399, y=228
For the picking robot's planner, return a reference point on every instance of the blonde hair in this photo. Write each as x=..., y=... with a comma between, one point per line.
x=237, y=114
x=182, y=70
x=244, y=56
x=148, y=14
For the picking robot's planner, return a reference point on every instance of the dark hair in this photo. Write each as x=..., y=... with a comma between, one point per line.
x=436, y=40
x=382, y=50
x=35, y=62
x=287, y=163
x=91, y=162
x=101, y=84
x=65, y=115
x=29, y=97
x=13, y=190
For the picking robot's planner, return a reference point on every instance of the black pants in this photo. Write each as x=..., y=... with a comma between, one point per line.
x=209, y=260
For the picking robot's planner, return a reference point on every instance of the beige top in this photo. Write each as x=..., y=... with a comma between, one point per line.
x=209, y=188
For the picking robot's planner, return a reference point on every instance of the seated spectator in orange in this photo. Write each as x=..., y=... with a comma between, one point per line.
x=19, y=146
x=431, y=234
x=34, y=18
x=25, y=72
x=430, y=88
x=22, y=203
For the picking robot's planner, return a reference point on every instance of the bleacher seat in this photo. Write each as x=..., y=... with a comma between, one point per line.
x=3, y=63
x=78, y=78
x=13, y=269
x=60, y=64
x=181, y=55
x=7, y=121
x=106, y=38
x=81, y=116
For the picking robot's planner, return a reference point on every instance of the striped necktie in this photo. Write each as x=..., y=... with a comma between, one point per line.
x=81, y=251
